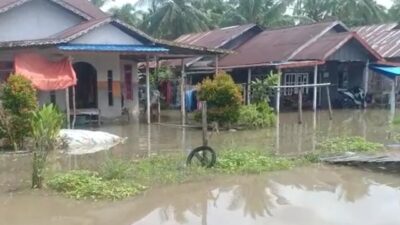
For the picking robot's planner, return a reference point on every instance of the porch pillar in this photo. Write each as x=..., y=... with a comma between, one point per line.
x=148, y=90
x=248, y=86
x=315, y=88
x=366, y=79
x=393, y=100
x=183, y=88
x=68, y=108
x=216, y=64
x=278, y=94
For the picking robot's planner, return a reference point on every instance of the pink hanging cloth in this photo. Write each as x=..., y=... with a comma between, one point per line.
x=44, y=74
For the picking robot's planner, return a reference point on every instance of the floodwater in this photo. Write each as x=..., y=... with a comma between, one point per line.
x=312, y=195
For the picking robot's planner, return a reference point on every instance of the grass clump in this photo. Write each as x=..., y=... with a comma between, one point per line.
x=258, y=115
x=347, y=144
x=251, y=162
x=90, y=185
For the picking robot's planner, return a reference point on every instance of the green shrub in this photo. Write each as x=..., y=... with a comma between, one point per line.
x=249, y=161
x=19, y=101
x=257, y=115
x=223, y=97
x=261, y=89
x=348, y=144
x=89, y=185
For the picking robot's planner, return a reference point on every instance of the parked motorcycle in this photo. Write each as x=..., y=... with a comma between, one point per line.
x=352, y=98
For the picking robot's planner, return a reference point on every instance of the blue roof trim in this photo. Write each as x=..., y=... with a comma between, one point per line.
x=389, y=71
x=111, y=48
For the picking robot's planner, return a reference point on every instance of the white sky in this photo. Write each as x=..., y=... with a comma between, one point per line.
x=386, y=3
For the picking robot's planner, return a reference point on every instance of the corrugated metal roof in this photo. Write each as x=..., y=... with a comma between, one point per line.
x=276, y=45
x=111, y=48
x=384, y=38
x=214, y=38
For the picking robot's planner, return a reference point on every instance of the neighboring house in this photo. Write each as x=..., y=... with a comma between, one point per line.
x=229, y=38
x=308, y=54
x=385, y=39
x=105, y=51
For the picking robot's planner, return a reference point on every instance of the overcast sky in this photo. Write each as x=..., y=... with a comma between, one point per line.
x=386, y=3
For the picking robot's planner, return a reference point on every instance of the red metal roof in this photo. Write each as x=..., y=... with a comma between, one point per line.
x=214, y=38
x=384, y=38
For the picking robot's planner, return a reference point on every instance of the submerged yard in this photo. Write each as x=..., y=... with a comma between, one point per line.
x=168, y=193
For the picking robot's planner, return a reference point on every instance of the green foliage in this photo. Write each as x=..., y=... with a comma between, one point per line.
x=248, y=161
x=396, y=121
x=223, y=97
x=114, y=169
x=89, y=185
x=261, y=89
x=45, y=125
x=257, y=115
x=19, y=102
x=347, y=144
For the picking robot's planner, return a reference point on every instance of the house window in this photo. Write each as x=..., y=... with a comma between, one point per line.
x=295, y=79
x=53, y=97
x=110, y=88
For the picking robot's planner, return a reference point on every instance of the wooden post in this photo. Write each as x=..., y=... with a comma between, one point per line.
x=315, y=88
x=366, y=79
x=74, y=107
x=159, y=109
x=300, y=105
x=67, y=108
x=216, y=64
x=248, y=87
x=204, y=122
x=328, y=95
x=183, y=88
x=393, y=99
x=148, y=106
x=278, y=94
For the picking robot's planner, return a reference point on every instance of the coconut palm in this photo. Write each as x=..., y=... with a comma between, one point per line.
x=128, y=14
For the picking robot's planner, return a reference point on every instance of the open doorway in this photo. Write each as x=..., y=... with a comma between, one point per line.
x=86, y=89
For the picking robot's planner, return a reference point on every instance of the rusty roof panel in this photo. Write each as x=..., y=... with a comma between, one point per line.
x=384, y=38
x=275, y=45
x=214, y=38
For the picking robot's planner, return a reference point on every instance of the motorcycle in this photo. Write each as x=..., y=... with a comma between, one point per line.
x=352, y=98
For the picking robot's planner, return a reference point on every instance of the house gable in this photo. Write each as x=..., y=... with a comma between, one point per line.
x=107, y=34
x=351, y=51
x=37, y=19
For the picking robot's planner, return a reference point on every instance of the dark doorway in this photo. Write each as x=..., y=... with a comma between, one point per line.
x=86, y=89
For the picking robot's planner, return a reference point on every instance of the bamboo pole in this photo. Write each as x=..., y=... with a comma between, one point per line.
x=366, y=79
x=183, y=88
x=328, y=95
x=248, y=86
x=300, y=104
x=67, y=108
x=278, y=94
x=204, y=122
x=74, y=107
x=148, y=107
x=393, y=100
x=315, y=88
x=216, y=64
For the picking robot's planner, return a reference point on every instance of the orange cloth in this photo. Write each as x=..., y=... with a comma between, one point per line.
x=45, y=75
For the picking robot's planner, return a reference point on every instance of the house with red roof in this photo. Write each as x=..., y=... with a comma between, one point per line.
x=103, y=51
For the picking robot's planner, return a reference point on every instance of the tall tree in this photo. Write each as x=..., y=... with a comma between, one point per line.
x=99, y=3
x=394, y=11
x=128, y=14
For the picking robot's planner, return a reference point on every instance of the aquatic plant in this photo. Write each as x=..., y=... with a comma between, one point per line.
x=347, y=144
x=223, y=97
x=114, y=169
x=18, y=99
x=45, y=125
x=90, y=185
x=257, y=115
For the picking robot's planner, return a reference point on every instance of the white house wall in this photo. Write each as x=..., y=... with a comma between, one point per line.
x=107, y=34
x=34, y=20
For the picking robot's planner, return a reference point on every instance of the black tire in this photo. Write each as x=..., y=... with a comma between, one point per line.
x=205, y=155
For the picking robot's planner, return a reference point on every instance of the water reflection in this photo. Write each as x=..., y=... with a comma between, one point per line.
x=313, y=196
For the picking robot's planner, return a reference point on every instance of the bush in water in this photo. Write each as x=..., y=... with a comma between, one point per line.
x=45, y=125
x=223, y=97
x=347, y=144
x=257, y=115
x=19, y=101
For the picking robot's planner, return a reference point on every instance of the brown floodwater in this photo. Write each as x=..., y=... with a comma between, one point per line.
x=312, y=195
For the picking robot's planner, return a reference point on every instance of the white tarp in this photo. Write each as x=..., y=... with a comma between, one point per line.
x=81, y=142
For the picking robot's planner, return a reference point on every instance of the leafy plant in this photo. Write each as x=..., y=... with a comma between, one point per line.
x=19, y=101
x=348, y=144
x=114, y=169
x=223, y=98
x=261, y=89
x=45, y=125
x=89, y=185
x=257, y=115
